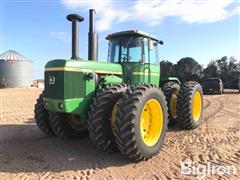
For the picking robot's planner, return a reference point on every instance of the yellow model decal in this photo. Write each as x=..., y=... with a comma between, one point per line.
x=97, y=71
x=146, y=74
x=80, y=70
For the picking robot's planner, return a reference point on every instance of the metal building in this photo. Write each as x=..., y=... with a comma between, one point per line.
x=15, y=70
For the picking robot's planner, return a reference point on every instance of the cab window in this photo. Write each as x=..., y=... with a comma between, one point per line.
x=153, y=52
x=113, y=54
x=131, y=50
x=146, y=55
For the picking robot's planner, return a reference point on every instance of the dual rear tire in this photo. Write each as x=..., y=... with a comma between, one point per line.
x=141, y=122
x=185, y=104
x=190, y=105
x=134, y=120
x=171, y=92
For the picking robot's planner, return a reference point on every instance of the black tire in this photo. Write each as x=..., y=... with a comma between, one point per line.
x=170, y=88
x=185, y=105
x=128, y=132
x=61, y=126
x=41, y=116
x=99, y=121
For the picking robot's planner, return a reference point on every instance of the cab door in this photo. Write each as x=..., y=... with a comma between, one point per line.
x=151, y=61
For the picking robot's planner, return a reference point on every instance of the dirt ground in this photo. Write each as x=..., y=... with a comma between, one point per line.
x=26, y=153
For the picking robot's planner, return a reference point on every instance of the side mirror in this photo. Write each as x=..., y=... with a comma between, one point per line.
x=161, y=42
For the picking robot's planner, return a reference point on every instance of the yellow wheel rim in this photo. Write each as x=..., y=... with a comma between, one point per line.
x=113, y=117
x=151, y=122
x=76, y=123
x=197, y=106
x=173, y=104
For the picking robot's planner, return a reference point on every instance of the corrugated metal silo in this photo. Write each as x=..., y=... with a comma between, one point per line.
x=15, y=70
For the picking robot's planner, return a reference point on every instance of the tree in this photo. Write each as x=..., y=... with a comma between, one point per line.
x=233, y=72
x=167, y=68
x=188, y=69
x=228, y=69
x=223, y=68
x=211, y=70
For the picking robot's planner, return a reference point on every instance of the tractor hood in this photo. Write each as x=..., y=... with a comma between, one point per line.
x=71, y=84
x=83, y=66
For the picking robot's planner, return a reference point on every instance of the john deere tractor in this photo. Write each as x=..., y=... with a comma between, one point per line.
x=122, y=103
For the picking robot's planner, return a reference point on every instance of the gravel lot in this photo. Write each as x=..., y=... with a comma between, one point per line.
x=26, y=153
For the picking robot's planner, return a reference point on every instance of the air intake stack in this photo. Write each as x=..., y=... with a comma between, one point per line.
x=92, y=38
x=75, y=19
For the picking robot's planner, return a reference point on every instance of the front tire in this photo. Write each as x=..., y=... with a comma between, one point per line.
x=101, y=121
x=67, y=126
x=141, y=122
x=41, y=116
x=190, y=105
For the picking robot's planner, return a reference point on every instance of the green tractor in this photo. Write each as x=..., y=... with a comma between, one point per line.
x=123, y=103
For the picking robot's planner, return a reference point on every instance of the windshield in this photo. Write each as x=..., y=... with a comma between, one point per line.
x=133, y=49
x=126, y=50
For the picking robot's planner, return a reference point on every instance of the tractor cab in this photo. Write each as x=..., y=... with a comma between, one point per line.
x=133, y=46
x=137, y=52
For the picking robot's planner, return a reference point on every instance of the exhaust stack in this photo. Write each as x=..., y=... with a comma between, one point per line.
x=75, y=19
x=92, y=38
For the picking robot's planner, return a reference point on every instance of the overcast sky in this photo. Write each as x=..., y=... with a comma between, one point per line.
x=201, y=29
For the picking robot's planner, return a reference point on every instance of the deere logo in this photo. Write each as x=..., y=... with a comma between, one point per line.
x=51, y=80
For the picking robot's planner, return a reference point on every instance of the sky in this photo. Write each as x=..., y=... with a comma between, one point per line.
x=202, y=29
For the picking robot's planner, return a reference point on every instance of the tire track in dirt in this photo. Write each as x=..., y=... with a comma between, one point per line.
x=208, y=103
x=213, y=153
x=213, y=113
x=232, y=101
x=209, y=148
x=233, y=114
x=216, y=110
x=212, y=138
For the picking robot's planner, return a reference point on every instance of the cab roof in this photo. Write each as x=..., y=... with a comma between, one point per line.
x=136, y=33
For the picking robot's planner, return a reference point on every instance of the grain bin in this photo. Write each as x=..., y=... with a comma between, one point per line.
x=15, y=70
